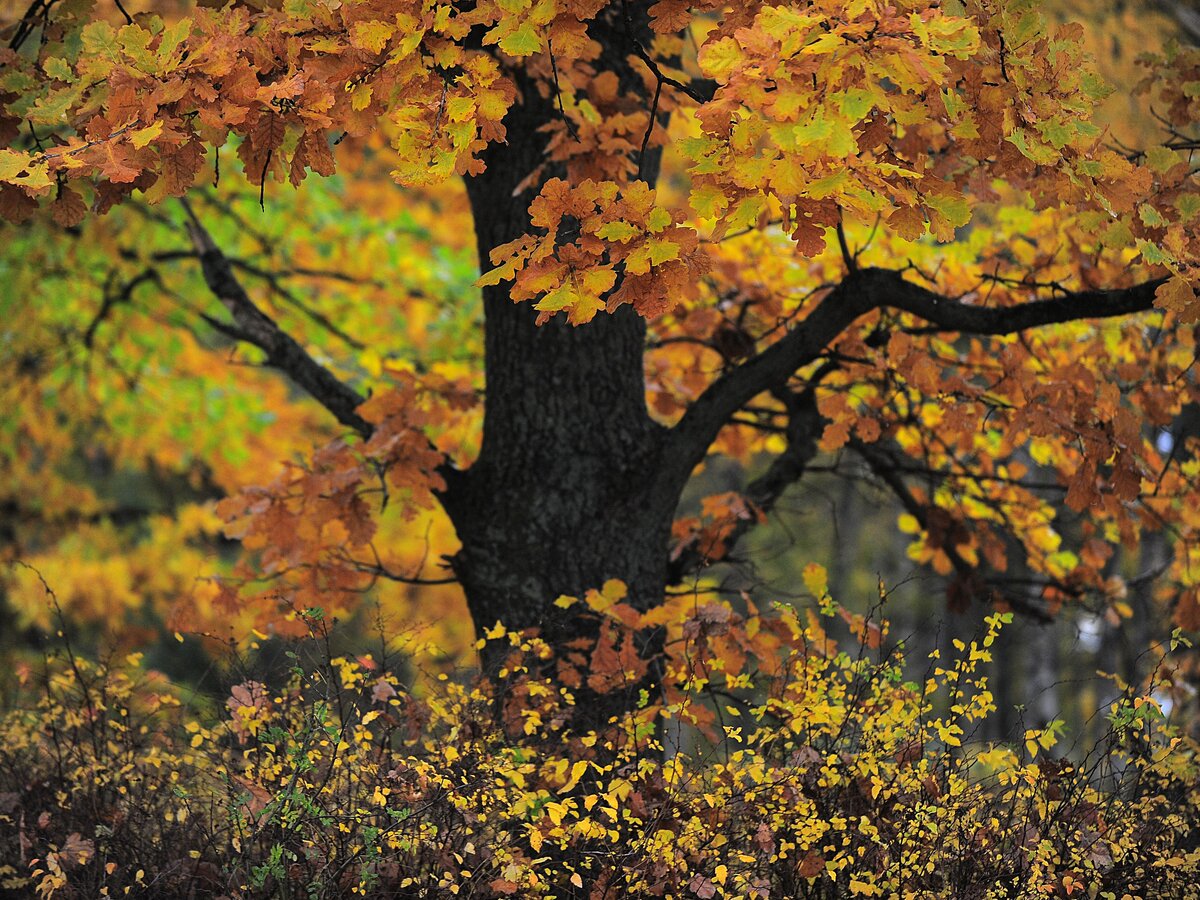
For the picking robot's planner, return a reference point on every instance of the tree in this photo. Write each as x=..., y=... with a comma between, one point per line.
x=892, y=235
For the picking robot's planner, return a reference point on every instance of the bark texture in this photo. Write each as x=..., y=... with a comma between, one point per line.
x=560, y=498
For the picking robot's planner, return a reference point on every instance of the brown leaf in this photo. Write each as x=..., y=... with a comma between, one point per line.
x=16, y=206
x=614, y=665
x=258, y=150
x=383, y=691
x=76, y=851
x=1187, y=610
x=179, y=166
x=68, y=208
x=812, y=865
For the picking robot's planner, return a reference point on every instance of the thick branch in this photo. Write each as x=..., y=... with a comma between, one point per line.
x=252, y=325
x=861, y=292
x=690, y=439
x=954, y=315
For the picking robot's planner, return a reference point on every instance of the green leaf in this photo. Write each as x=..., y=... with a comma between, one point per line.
x=1188, y=206
x=135, y=42
x=52, y=109
x=1154, y=255
x=708, y=201
x=100, y=40
x=1057, y=133
x=1094, y=87
x=659, y=218
x=525, y=41
x=619, y=232
x=954, y=208
x=1033, y=149
x=1162, y=159
x=57, y=67
x=169, y=47
x=823, y=187
x=746, y=213
x=856, y=103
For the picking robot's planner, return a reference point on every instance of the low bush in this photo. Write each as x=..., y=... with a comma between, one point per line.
x=774, y=764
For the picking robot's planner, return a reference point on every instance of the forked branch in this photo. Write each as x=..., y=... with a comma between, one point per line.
x=862, y=291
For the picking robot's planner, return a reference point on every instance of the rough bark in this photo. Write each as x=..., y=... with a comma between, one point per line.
x=557, y=501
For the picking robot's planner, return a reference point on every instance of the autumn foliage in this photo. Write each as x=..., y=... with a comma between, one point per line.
x=392, y=532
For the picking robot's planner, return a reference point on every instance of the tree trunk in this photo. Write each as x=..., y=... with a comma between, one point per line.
x=559, y=500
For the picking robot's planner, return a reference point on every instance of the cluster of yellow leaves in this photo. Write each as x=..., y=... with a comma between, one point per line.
x=774, y=763
x=97, y=579
x=802, y=116
x=592, y=234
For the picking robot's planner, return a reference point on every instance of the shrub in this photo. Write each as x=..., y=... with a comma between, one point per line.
x=775, y=764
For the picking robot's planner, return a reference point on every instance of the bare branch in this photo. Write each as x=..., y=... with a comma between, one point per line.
x=252, y=325
x=113, y=298
x=701, y=90
x=689, y=440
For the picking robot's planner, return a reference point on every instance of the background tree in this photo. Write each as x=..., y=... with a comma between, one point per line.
x=892, y=234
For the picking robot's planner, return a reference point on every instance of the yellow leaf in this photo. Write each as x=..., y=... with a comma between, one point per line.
x=143, y=136
x=13, y=164
x=372, y=36
x=816, y=579
x=372, y=362
x=719, y=58
x=577, y=771
x=360, y=99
